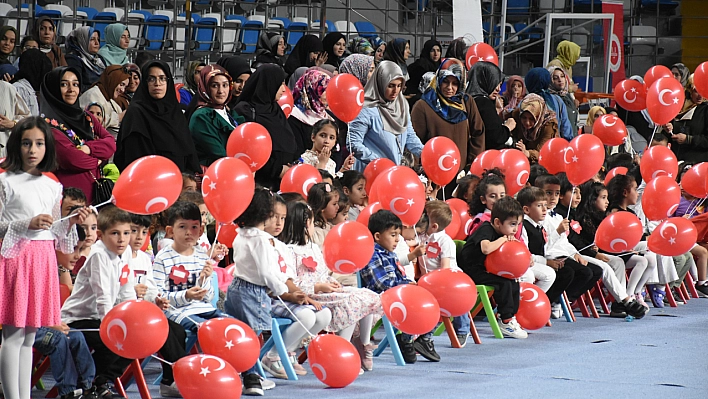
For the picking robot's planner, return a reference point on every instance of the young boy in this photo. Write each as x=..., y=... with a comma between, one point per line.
x=384, y=272
x=189, y=182
x=196, y=198
x=96, y=291
x=71, y=197
x=505, y=220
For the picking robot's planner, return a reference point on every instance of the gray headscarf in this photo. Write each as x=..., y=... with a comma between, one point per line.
x=684, y=72
x=296, y=76
x=78, y=42
x=357, y=65
x=394, y=114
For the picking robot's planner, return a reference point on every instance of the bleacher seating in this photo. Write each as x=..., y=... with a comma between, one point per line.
x=250, y=30
x=366, y=29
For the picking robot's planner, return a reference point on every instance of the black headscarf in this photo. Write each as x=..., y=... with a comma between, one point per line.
x=483, y=78
x=5, y=58
x=457, y=49
x=328, y=44
x=300, y=56
x=267, y=48
x=54, y=107
x=425, y=61
x=395, y=51
x=161, y=120
x=33, y=66
x=420, y=67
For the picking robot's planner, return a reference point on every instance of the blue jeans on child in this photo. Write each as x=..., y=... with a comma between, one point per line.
x=70, y=358
x=189, y=322
x=461, y=324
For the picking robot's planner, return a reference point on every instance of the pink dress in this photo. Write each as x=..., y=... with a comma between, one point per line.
x=348, y=306
x=28, y=265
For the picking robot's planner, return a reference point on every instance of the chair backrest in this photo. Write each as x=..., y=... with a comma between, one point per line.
x=205, y=32
x=90, y=12
x=119, y=12
x=64, y=293
x=59, y=7
x=231, y=33
x=156, y=32
x=458, y=247
x=167, y=13
x=365, y=28
x=249, y=36
x=344, y=26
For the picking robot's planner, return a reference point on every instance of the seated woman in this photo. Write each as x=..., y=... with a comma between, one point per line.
x=8, y=37
x=12, y=110
x=106, y=91
x=360, y=65
x=83, y=146
x=594, y=113
x=334, y=44
x=115, y=51
x=33, y=66
x=535, y=124
x=485, y=80
x=270, y=49
x=154, y=124
x=127, y=96
x=306, y=53
x=398, y=51
x=191, y=75
x=240, y=71
x=45, y=35
x=538, y=80
x=560, y=81
x=212, y=122
x=82, y=46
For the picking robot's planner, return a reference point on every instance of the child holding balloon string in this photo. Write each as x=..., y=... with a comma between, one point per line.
x=489, y=190
x=324, y=200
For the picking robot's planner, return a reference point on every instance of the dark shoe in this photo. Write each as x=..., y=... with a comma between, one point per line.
x=462, y=338
x=407, y=350
x=702, y=289
x=618, y=310
x=79, y=394
x=426, y=348
x=635, y=309
x=657, y=296
x=103, y=392
x=252, y=385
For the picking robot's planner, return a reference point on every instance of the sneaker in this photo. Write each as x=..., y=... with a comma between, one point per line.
x=512, y=329
x=426, y=348
x=274, y=367
x=407, y=350
x=76, y=394
x=169, y=391
x=462, y=338
x=103, y=392
x=266, y=384
x=556, y=311
x=635, y=309
x=299, y=370
x=702, y=290
x=252, y=385
x=617, y=309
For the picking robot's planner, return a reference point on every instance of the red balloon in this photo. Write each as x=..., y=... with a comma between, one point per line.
x=658, y=161
x=366, y=213
x=460, y=208
x=227, y=187
x=620, y=170
x=148, y=185
x=534, y=307
x=665, y=99
x=483, y=162
x=673, y=237
x=584, y=158
x=286, y=102
x=511, y=260
x=454, y=290
x=348, y=247
x=695, y=180
x=481, y=52
x=516, y=167
x=227, y=234
x=333, y=360
x=231, y=340
x=661, y=198
x=345, y=96
x=700, y=79
x=206, y=376
x=373, y=193
x=453, y=228
x=631, y=95
x=300, y=179
x=411, y=309
x=134, y=329
x=441, y=160
x=402, y=192
x=619, y=232
x=655, y=73
x=251, y=143
x=551, y=155
x=374, y=169
x=610, y=129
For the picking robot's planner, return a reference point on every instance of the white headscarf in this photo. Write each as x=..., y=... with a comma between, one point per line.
x=394, y=114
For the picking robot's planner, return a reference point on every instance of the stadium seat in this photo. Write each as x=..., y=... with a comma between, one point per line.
x=329, y=26
x=249, y=36
x=119, y=12
x=101, y=20
x=366, y=29
x=90, y=12
x=156, y=32
x=518, y=7
x=205, y=34
x=182, y=29
x=232, y=33
x=285, y=21
x=296, y=30
x=347, y=28
x=546, y=6
x=135, y=22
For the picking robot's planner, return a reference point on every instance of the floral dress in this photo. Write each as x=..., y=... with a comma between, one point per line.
x=348, y=306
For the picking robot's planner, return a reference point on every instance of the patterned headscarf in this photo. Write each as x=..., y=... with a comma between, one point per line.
x=553, y=88
x=536, y=106
x=308, y=92
x=451, y=109
x=359, y=45
x=512, y=101
x=357, y=65
x=206, y=75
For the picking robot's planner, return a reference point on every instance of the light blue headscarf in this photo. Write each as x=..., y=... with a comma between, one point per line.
x=111, y=51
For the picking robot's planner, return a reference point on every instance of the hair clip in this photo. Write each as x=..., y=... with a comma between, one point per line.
x=328, y=188
x=423, y=179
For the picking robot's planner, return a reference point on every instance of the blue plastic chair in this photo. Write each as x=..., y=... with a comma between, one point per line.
x=101, y=21
x=155, y=32
x=205, y=30
x=250, y=31
x=295, y=30
x=389, y=339
x=366, y=29
x=90, y=12
x=278, y=325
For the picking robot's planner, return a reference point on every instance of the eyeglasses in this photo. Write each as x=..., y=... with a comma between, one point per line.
x=154, y=79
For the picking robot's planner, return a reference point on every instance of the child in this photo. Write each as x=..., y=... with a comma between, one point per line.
x=71, y=197
x=506, y=218
x=30, y=203
x=324, y=138
x=196, y=198
x=97, y=289
x=489, y=190
x=354, y=186
x=189, y=182
x=535, y=171
x=90, y=226
x=326, y=176
x=409, y=250
x=324, y=200
x=350, y=306
x=383, y=273
x=97, y=110
x=343, y=211
x=568, y=201
x=466, y=186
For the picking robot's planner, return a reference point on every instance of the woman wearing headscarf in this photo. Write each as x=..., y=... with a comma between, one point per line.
x=429, y=61
x=535, y=125
x=334, y=44
x=240, y=71
x=594, y=113
x=82, y=46
x=8, y=36
x=568, y=54
x=33, y=66
x=306, y=53
x=398, y=51
x=270, y=48
x=82, y=144
x=383, y=128
x=191, y=75
x=515, y=92
x=212, y=122
x=106, y=91
x=360, y=65
x=45, y=35
x=360, y=45
x=679, y=70
x=538, y=80
x=445, y=110
x=309, y=107
x=457, y=49
x=690, y=127
x=259, y=103
x=560, y=81
x=483, y=85
x=133, y=83
x=379, y=49
x=155, y=124
x=115, y=51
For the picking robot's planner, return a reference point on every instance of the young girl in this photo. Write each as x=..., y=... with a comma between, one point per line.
x=30, y=209
x=259, y=274
x=466, y=186
x=354, y=186
x=343, y=212
x=90, y=226
x=489, y=190
x=350, y=306
x=324, y=138
x=324, y=201
x=97, y=110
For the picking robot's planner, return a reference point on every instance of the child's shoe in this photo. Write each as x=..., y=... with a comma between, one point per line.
x=619, y=310
x=299, y=370
x=407, y=350
x=512, y=329
x=635, y=309
x=252, y=385
x=657, y=296
x=366, y=353
x=426, y=348
x=274, y=366
x=556, y=311
x=702, y=290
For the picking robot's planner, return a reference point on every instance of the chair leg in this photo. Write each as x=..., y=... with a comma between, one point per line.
x=282, y=351
x=451, y=332
x=670, y=296
x=684, y=293
x=691, y=285
x=440, y=328
x=601, y=297
x=473, y=331
x=591, y=305
x=483, y=294
x=580, y=303
x=567, y=309
x=391, y=335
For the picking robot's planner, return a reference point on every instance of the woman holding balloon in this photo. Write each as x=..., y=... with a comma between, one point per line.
x=689, y=131
x=484, y=83
x=535, y=125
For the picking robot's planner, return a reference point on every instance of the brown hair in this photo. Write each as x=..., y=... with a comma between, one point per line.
x=438, y=212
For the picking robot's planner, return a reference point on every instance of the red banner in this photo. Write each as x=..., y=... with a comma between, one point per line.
x=616, y=40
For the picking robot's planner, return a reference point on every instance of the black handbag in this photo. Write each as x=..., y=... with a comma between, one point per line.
x=102, y=190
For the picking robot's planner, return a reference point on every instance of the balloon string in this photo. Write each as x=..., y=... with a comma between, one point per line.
x=656, y=129
x=572, y=194
x=295, y=317
x=92, y=207
x=581, y=249
x=696, y=207
x=443, y=190
x=422, y=258
x=162, y=360
x=216, y=240
x=85, y=329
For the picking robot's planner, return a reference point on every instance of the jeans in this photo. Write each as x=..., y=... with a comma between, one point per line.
x=189, y=321
x=70, y=358
x=461, y=324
